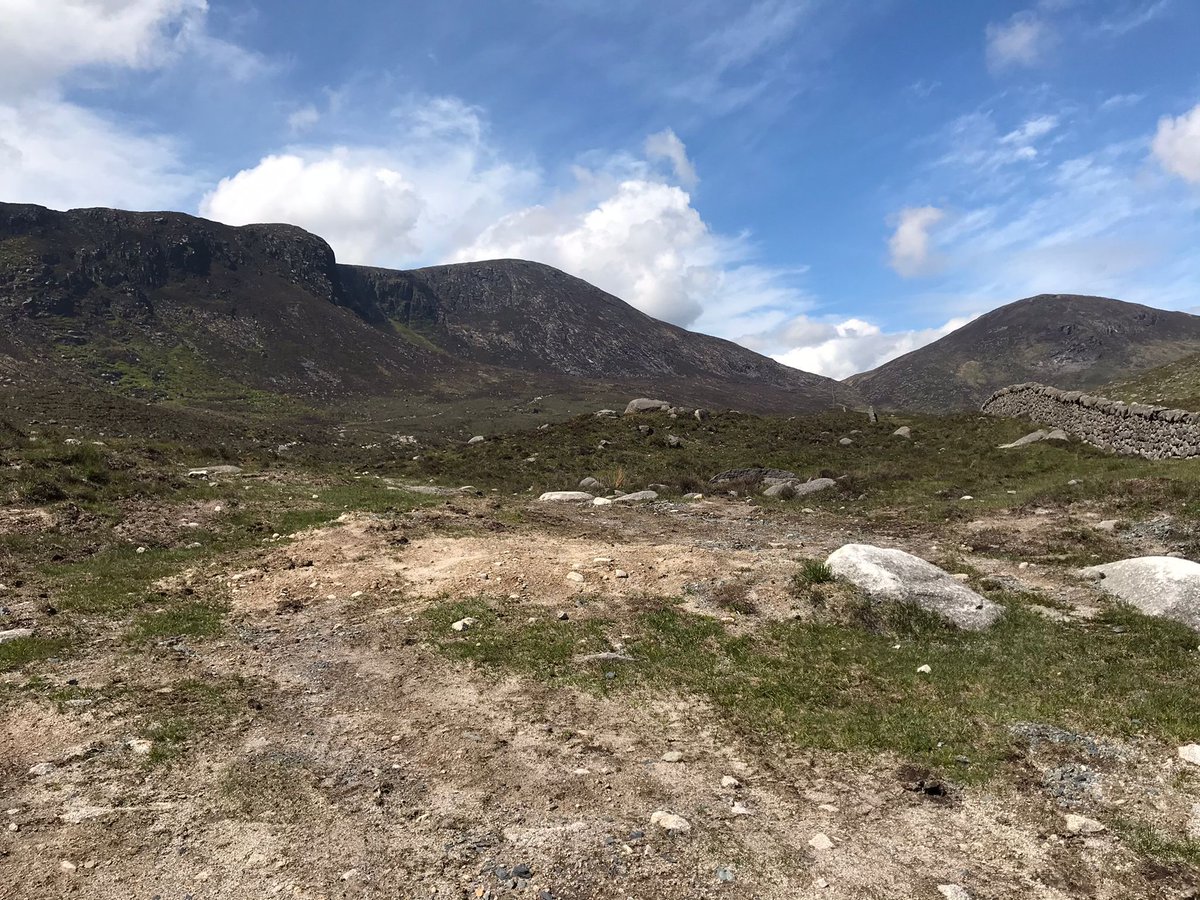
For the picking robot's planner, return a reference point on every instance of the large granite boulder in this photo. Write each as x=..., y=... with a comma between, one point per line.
x=1156, y=585
x=893, y=575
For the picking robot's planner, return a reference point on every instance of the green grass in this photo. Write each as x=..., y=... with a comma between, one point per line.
x=841, y=685
x=18, y=653
x=178, y=620
x=1147, y=841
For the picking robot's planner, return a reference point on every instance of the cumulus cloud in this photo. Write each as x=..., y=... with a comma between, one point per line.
x=41, y=160
x=667, y=145
x=842, y=348
x=411, y=200
x=44, y=40
x=641, y=240
x=1177, y=145
x=59, y=153
x=1021, y=41
x=910, y=246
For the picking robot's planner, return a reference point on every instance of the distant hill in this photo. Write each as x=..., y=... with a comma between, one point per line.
x=169, y=309
x=1064, y=340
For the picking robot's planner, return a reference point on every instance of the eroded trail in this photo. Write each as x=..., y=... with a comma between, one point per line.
x=336, y=741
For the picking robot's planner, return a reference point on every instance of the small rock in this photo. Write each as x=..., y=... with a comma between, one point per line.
x=693, y=496
x=903, y=431
x=42, y=769
x=67, y=866
x=140, y=550
x=15, y=634
x=478, y=439
x=672, y=756
x=577, y=577
x=1108, y=525
x=620, y=573
x=730, y=783
x=671, y=822
x=1190, y=753
x=1083, y=825
x=590, y=484
x=141, y=746
x=845, y=442
x=953, y=892
x=637, y=497
x=738, y=809
x=674, y=441
x=725, y=874
x=925, y=669
x=820, y=842
x=464, y=624
x=601, y=501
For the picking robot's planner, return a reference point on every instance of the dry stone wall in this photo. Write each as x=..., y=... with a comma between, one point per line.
x=1134, y=429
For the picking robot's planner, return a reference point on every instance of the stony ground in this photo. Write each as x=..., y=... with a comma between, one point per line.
x=333, y=736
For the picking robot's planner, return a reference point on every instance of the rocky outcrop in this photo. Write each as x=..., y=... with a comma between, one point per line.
x=1134, y=429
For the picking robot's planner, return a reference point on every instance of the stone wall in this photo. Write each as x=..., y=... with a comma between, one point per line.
x=1134, y=429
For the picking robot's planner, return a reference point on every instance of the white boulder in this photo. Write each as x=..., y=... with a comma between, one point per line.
x=643, y=404
x=893, y=575
x=1156, y=585
x=1055, y=434
x=566, y=497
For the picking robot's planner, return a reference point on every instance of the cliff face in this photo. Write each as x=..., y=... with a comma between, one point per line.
x=268, y=306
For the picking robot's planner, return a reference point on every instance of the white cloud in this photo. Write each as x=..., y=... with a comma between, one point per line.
x=43, y=41
x=842, y=348
x=641, y=240
x=1021, y=41
x=415, y=199
x=365, y=208
x=1031, y=130
x=303, y=118
x=667, y=145
x=1177, y=145
x=910, y=246
x=59, y=153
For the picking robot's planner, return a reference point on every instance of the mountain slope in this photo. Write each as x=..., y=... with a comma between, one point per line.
x=1064, y=340
x=172, y=308
x=1176, y=385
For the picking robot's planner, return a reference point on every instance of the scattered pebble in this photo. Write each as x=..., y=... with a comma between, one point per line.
x=672, y=756
x=464, y=624
x=1083, y=825
x=671, y=822
x=924, y=670
x=820, y=842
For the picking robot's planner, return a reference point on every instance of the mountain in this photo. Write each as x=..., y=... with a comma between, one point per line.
x=1064, y=340
x=174, y=310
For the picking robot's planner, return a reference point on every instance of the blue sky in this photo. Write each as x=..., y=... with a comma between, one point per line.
x=830, y=183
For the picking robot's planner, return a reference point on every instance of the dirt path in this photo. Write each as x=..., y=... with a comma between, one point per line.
x=353, y=760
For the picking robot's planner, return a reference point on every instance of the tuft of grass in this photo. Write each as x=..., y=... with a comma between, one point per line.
x=813, y=571
x=18, y=653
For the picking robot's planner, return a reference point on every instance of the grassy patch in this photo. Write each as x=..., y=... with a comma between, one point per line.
x=181, y=620
x=846, y=686
x=1147, y=841
x=20, y=652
